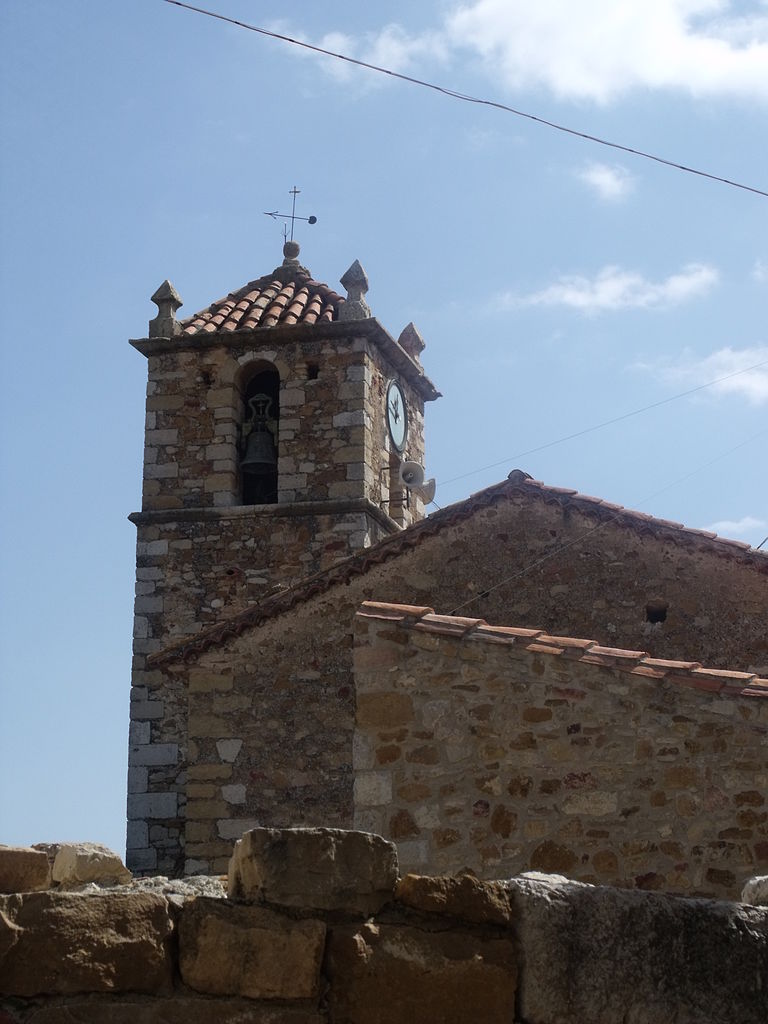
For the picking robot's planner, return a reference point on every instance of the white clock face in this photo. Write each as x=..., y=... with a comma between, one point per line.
x=397, y=416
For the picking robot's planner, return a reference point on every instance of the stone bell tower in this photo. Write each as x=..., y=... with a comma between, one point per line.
x=277, y=419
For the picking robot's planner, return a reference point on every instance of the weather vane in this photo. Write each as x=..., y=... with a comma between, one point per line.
x=292, y=216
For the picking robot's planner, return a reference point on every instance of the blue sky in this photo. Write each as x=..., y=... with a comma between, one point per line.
x=558, y=284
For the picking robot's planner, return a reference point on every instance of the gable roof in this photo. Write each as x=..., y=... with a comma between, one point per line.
x=588, y=652
x=287, y=296
x=517, y=483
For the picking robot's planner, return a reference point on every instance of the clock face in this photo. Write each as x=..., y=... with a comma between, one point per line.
x=397, y=416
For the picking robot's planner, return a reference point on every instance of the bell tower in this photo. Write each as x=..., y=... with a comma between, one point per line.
x=276, y=422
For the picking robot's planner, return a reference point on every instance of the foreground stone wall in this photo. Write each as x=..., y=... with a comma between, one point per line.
x=503, y=751
x=318, y=928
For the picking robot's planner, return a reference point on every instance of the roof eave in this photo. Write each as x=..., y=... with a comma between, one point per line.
x=369, y=328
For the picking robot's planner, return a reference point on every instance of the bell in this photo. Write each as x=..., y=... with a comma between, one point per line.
x=260, y=453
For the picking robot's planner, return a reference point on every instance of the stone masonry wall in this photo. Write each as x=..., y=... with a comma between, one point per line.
x=270, y=713
x=505, y=753
x=319, y=929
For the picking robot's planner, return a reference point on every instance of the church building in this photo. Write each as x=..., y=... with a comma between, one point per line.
x=530, y=678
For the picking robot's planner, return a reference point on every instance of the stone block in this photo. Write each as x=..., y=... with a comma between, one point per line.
x=372, y=789
x=233, y=828
x=23, y=869
x=383, y=974
x=66, y=943
x=153, y=753
x=137, y=835
x=228, y=749
x=226, y=949
x=465, y=897
x=605, y=955
x=78, y=863
x=152, y=805
x=319, y=868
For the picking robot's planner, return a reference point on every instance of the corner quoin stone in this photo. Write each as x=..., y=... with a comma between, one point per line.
x=317, y=868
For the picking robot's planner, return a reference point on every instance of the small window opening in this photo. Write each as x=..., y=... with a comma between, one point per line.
x=313, y=371
x=656, y=611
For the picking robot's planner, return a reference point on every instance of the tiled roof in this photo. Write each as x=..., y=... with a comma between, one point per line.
x=517, y=483
x=287, y=296
x=588, y=652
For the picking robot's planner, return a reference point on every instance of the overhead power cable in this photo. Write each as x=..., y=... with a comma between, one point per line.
x=605, y=423
x=464, y=97
x=607, y=522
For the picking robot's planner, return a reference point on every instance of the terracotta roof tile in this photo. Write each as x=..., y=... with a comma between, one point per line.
x=287, y=296
x=404, y=540
x=681, y=673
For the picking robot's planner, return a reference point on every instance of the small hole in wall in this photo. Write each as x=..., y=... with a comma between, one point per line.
x=207, y=378
x=313, y=371
x=656, y=611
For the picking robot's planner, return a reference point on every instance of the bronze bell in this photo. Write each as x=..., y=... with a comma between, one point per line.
x=260, y=453
x=260, y=457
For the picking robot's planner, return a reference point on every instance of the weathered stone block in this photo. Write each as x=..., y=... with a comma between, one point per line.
x=320, y=868
x=23, y=869
x=78, y=863
x=381, y=974
x=605, y=955
x=464, y=897
x=226, y=949
x=64, y=943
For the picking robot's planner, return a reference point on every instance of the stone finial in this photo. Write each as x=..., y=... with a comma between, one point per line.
x=291, y=252
x=411, y=341
x=167, y=300
x=518, y=476
x=356, y=282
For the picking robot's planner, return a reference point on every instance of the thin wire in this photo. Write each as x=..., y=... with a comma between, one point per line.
x=607, y=522
x=761, y=544
x=605, y=423
x=469, y=99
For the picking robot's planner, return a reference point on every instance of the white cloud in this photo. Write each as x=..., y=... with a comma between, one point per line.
x=594, y=49
x=611, y=181
x=599, y=49
x=737, y=527
x=613, y=289
x=391, y=48
x=760, y=272
x=692, y=370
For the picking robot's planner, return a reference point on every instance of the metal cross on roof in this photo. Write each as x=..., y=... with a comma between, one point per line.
x=292, y=216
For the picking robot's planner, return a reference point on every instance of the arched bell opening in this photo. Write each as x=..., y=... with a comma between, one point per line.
x=257, y=456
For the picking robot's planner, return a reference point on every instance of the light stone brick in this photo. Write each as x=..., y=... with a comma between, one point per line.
x=139, y=732
x=356, y=418
x=138, y=780
x=233, y=828
x=140, y=627
x=229, y=749
x=142, y=860
x=154, y=754
x=152, y=548
x=373, y=789
x=163, y=471
x=137, y=835
x=146, y=709
x=234, y=794
x=152, y=805
x=148, y=605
